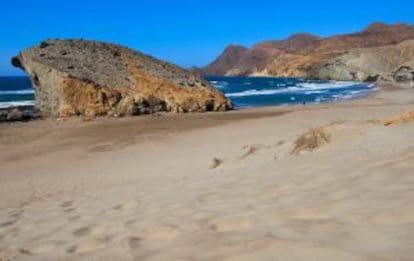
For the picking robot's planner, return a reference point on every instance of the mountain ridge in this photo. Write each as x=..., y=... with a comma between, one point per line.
x=299, y=54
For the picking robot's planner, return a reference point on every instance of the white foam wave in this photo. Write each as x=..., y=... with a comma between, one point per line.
x=219, y=84
x=18, y=92
x=254, y=92
x=15, y=104
x=325, y=86
x=305, y=88
x=315, y=92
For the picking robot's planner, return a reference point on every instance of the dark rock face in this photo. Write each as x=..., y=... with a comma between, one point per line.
x=15, y=115
x=78, y=77
x=23, y=113
x=404, y=74
x=309, y=56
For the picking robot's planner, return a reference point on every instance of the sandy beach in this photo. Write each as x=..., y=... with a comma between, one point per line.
x=213, y=186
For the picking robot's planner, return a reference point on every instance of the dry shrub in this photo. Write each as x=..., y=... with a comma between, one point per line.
x=311, y=140
x=216, y=163
x=250, y=150
x=404, y=118
x=372, y=122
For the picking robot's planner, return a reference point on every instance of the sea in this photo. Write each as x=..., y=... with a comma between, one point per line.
x=15, y=91
x=243, y=91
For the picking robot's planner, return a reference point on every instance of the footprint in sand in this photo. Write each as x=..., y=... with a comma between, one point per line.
x=208, y=197
x=87, y=246
x=271, y=217
x=163, y=232
x=83, y=231
x=390, y=218
x=16, y=214
x=69, y=210
x=38, y=249
x=89, y=230
x=94, y=239
x=305, y=214
x=74, y=218
x=216, y=163
x=230, y=225
x=67, y=204
x=251, y=150
x=125, y=206
x=134, y=242
x=130, y=223
x=8, y=223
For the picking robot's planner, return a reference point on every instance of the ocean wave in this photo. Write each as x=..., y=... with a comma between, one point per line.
x=328, y=85
x=220, y=84
x=4, y=105
x=315, y=92
x=303, y=88
x=253, y=92
x=17, y=92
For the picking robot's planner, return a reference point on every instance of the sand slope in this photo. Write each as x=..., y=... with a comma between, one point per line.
x=219, y=188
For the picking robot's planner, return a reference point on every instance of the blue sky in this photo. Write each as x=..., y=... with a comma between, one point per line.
x=184, y=32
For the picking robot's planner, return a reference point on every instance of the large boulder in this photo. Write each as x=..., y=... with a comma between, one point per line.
x=89, y=78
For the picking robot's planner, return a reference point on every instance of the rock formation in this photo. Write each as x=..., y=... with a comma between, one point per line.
x=388, y=63
x=357, y=56
x=89, y=78
x=227, y=60
x=19, y=113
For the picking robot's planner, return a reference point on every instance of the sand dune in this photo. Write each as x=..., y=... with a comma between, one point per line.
x=212, y=187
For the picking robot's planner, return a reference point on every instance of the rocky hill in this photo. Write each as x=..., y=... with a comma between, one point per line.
x=301, y=55
x=293, y=44
x=387, y=63
x=79, y=77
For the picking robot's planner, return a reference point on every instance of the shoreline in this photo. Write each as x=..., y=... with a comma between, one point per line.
x=139, y=129
x=151, y=124
x=213, y=186
x=29, y=112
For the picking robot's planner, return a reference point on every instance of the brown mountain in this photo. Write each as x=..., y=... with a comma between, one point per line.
x=292, y=44
x=227, y=60
x=302, y=53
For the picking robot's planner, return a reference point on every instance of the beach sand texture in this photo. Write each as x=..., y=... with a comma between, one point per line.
x=224, y=186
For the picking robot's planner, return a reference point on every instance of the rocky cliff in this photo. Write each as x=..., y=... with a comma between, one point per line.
x=78, y=77
x=309, y=56
x=388, y=63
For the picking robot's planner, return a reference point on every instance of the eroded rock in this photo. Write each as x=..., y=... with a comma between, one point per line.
x=404, y=74
x=22, y=113
x=89, y=78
